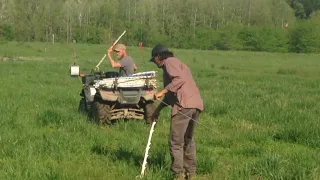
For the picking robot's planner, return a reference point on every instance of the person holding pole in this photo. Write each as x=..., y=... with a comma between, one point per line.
x=126, y=62
x=182, y=94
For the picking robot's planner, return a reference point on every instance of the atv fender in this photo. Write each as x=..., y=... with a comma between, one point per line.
x=89, y=93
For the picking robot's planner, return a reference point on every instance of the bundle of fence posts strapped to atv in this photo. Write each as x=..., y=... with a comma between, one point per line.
x=142, y=79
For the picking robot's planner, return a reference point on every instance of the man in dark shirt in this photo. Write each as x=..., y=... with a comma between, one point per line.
x=182, y=94
x=126, y=63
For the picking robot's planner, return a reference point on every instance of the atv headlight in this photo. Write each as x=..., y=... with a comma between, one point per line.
x=93, y=91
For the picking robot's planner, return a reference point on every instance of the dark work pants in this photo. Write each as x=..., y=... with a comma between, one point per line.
x=181, y=141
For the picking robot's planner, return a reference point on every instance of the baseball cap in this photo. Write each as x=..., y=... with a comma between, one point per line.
x=120, y=47
x=159, y=48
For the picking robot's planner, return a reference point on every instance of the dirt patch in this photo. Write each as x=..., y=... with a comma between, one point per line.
x=4, y=58
x=245, y=125
x=227, y=166
x=20, y=58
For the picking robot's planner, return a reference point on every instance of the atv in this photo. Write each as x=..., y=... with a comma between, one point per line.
x=107, y=97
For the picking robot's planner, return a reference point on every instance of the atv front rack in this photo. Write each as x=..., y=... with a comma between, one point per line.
x=138, y=80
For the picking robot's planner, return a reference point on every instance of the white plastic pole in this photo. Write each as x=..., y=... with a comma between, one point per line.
x=144, y=164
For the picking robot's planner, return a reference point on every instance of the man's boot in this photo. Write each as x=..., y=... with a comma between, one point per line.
x=189, y=176
x=179, y=177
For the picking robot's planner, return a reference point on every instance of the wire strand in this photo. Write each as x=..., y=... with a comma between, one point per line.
x=197, y=122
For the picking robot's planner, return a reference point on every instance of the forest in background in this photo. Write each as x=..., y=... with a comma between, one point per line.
x=250, y=25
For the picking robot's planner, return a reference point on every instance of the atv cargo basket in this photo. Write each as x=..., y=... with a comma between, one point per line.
x=143, y=79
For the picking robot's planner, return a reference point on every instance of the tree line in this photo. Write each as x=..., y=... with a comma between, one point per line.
x=255, y=25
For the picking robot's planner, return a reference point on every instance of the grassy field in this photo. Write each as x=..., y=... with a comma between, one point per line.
x=261, y=119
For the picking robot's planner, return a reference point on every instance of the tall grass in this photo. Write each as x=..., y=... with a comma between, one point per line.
x=261, y=119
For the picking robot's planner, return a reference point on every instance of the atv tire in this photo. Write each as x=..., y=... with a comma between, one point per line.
x=82, y=106
x=148, y=111
x=100, y=112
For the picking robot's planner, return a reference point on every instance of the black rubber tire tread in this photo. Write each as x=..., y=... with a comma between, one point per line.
x=82, y=106
x=148, y=111
x=101, y=112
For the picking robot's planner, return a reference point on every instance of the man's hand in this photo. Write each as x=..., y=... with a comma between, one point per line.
x=110, y=50
x=158, y=95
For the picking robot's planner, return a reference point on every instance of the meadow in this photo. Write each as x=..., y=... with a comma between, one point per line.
x=261, y=118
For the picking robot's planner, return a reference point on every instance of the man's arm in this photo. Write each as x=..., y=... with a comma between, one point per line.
x=175, y=72
x=158, y=95
x=113, y=63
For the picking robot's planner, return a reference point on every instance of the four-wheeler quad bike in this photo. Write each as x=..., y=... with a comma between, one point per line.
x=106, y=97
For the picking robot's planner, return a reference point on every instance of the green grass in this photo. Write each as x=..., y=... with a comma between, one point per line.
x=261, y=119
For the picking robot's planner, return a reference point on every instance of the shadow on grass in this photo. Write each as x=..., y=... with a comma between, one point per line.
x=288, y=71
x=156, y=160
x=112, y=123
